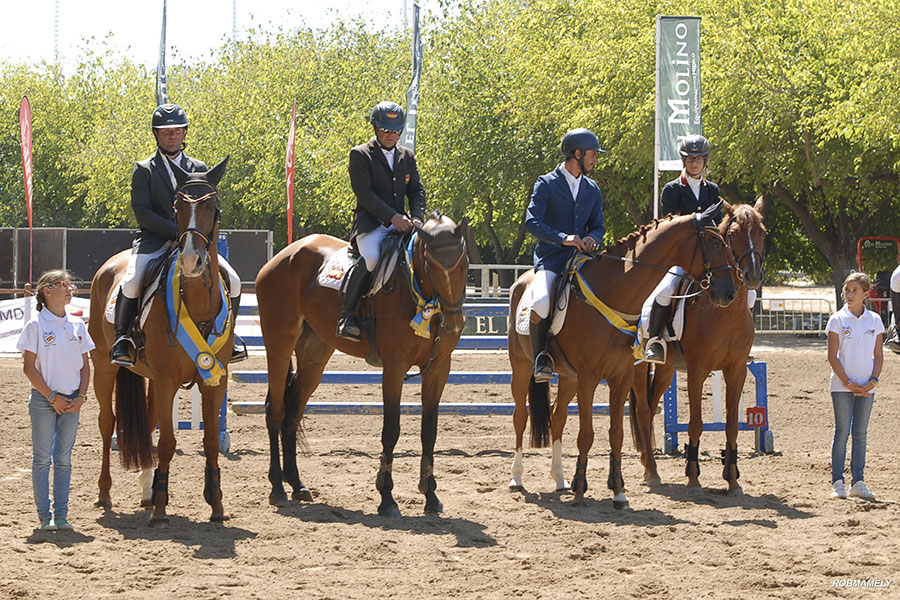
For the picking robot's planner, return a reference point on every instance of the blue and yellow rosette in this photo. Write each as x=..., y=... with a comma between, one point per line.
x=425, y=309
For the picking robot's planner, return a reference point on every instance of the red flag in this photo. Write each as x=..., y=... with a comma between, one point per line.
x=289, y=168
x=25, y=130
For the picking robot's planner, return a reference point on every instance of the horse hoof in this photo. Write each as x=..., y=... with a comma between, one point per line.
x=565, y=487
x=279, y=499
x=516, y=487
x=578, y=500
x=694, y=490
x=219, y=517
x=433, y=509
x=736, y=492
x=620, y=501
x=105, y=504
x=652, y=480
x=146, y=502
x=302, y=495
x=159, y=523
x=390, y=511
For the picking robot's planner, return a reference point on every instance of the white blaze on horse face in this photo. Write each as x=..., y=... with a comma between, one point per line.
x=191, y=264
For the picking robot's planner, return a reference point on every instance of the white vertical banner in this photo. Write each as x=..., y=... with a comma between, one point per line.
x=678, y=98
x=412, y=94
x=162, y=90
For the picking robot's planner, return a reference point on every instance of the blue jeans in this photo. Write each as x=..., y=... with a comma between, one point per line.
x=52, y=437
x=851, y=415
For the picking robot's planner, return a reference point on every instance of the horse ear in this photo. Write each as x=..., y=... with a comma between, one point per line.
x=427, y=237
x=729, y=209
x=180, y=174
x=460, y=230
x=214, y=176
x=760, y=205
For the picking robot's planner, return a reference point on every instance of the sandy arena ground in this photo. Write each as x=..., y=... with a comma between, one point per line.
x=784, y=539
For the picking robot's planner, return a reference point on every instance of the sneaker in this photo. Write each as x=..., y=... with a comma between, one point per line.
x=838, y=490
x=859, y=490
x=47, y=525
x=62, y=524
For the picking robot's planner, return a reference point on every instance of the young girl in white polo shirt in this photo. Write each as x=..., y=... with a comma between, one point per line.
x=855, y=354
x=55, y=347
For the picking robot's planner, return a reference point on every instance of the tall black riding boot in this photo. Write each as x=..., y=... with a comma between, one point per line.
x=655, y=351
x=239, y=350
x=539, y=332
x=893, y=341
x=126, y=310
x=357, y=281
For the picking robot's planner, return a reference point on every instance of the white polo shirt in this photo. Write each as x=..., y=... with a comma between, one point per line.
x=856, y=349
x=59, y=343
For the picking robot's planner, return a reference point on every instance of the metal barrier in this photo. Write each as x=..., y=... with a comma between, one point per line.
x=793, y=315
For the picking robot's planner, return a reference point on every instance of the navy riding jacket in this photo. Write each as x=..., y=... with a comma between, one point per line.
x=552, y=215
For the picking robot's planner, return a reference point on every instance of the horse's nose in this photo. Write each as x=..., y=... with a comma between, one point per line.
x=189, y=263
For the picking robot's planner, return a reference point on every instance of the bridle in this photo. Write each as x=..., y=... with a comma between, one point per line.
x=751, y=251
x=190, y=229
x=447, y=308
x=703, y=235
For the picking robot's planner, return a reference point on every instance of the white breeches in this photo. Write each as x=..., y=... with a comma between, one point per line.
x=369, y=245
x=663, y=293
x=137, y=265
x=540, y=292
x=895, y=280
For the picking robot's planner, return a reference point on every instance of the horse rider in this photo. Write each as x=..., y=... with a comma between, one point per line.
x=690, y=192
x=153, y=188
x=893, y=342
x=383, y=175
x=565, y=212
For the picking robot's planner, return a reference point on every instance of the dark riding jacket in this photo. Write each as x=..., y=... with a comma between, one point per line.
x=552, y=215
x=153, y=200
x=678, y=197
x=381, y=192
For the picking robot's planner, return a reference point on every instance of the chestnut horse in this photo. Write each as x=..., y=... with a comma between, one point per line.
x=714, y=339
x=298, y=315
x=589, y=348
x=163, y=360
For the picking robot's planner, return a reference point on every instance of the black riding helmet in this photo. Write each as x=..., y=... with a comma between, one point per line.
x=693, y=145
x=388, y=115
x=167, y=116
x=579, y=139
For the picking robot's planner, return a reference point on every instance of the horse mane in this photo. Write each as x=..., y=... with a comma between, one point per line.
x=745, y=216
x=632, y=238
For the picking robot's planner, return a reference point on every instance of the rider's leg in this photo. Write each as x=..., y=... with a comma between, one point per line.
x=239, y=350
x=893, y=341
x=539, y=329
x=369, y=245
x=126, y=309
x=660, y=313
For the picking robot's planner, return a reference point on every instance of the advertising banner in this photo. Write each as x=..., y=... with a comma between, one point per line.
x=412, y=94
x=678, y=106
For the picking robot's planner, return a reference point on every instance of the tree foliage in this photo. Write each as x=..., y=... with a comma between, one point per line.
x=800, y=102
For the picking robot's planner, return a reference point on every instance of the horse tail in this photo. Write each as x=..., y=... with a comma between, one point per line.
x=133, y=422
x=637, y=432
x=539, y=403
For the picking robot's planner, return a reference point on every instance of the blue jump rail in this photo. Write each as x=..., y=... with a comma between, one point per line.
x=406, y=408
x=370, y=377
x=764, y=438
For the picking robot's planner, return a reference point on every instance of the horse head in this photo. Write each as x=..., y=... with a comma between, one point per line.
x=197, y=216
x=445, y=266
x=718, y=280
x=746, y=236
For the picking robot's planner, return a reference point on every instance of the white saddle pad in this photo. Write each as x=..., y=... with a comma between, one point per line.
x=523, y=312
x=145, y=310
x=332, y=272
x=677, y=322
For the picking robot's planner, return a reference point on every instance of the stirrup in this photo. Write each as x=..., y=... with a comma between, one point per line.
x=542, y=375
x=345, y=329
x=653, y=357
x=238, y=351
x=125, y=361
